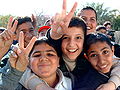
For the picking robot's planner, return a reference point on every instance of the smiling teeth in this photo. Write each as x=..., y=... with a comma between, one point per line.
x=72, y=50
x=104, y=66
x=88, y=28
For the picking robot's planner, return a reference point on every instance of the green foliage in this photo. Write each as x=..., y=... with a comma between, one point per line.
x=4, y=20
x=116, y=23
x=103, y=14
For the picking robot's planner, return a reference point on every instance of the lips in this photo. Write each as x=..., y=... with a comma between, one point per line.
x=72, y=50
x=103, y=67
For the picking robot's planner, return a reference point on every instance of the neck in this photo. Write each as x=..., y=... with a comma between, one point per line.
x=52, y=80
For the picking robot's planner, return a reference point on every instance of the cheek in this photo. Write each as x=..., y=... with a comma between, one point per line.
x=33, y=64
x=63, y=45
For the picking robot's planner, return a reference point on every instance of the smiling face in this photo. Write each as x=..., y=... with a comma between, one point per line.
x=28, y=31
x=100, y=56
x=72, y=43
x=89, y=17
x=44, y=61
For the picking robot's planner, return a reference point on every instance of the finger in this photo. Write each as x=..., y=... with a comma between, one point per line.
x=64, y=7
x=14, y=27
x=21, y=40
x=33, y=20
x=63, y=27
x=5, y=35
x=71, y=13
x=30, y=45
x=13, y=59
x=10, y=22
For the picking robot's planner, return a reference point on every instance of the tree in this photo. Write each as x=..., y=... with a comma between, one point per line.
x=103, y=14
x=4, y=20
x=116, y=23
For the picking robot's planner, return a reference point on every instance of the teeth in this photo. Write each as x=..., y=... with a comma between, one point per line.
x=104, y=66
x=72, y=50
x=88, y=28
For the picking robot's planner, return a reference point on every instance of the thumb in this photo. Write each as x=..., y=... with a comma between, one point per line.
x=13, y=59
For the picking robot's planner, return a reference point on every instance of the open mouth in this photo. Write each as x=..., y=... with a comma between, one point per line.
x=72, y=50
x=88, y=28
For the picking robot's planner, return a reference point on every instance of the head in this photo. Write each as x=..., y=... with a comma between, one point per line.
x=47, y=23
x=72, y=41
x=42, y=30
x=107, y=24
x=25, y=25
x=99, y=52
x=44, y=58
x=90, y=16
x=101, y=29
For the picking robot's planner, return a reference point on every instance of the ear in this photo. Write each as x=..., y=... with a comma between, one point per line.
x=113, y=49
x=85, y=56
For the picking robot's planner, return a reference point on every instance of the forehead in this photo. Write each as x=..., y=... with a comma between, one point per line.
x=74, y=31
x=43, y=47
x=98, y=46
x=25, y=25
x=88, y=13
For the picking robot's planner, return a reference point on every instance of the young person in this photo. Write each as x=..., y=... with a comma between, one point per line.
x=71, y=38
x=99, y=52
x=43, y=64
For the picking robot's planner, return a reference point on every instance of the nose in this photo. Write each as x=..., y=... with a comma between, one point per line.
x=88, y=22
x=43, y=57
x=71, y=42
x=101, y=60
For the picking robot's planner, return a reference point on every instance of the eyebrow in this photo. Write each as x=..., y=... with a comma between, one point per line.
x=100, y=50
x=44, y=51
x=76, y=34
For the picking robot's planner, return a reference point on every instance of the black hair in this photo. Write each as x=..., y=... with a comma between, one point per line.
x=107, y=23
x=94, y=38
x=22, y=20
x=79, y=23
x=90, y=8
x=47, y=41
x=100, y=27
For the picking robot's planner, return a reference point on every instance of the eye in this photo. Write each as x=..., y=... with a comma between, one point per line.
x=50, y=54
x=65, y=37
x=92, y=19
x=36, y=55
x=85, y=19
x=78, y=37
x=105, y=52
x=93, y=55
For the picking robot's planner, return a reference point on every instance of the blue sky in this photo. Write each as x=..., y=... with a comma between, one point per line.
x=50, y=7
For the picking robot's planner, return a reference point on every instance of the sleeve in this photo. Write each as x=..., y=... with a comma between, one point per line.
x=115, y=73
x=28, y=78
x=56, y=43
x=10, y=77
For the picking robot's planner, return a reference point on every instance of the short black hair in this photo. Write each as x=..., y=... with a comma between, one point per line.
x=78, y=22
x=47, y=41
x=94, y=38
x=22, y=20
x=89, y=8
x=100, y=27
x=107, y=23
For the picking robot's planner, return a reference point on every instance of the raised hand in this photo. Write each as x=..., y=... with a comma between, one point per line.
x=7, y=36
x=19, y=56
x=34, y=21
x=61, y=21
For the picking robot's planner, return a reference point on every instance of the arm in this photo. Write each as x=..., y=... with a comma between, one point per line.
x=114, y=80
x=10, y=77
